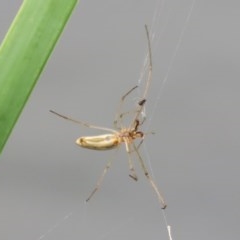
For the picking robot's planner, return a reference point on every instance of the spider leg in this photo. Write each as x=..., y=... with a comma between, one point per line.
x=132, y=174
x=139, y=145
x=83, y=123
x=149, y=178
x=119, y=115
x=99, y=182
x=141, y=103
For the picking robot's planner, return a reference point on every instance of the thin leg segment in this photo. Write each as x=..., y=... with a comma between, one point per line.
x=119, y=115
x=132, y=174
x=149, y=178
x=99, y=182
x=83, y=123
x=149, y=77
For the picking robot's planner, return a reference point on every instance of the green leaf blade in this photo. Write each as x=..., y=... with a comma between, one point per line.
x=24, y=53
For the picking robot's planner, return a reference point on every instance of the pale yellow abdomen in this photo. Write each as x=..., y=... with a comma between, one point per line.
x=100, y=142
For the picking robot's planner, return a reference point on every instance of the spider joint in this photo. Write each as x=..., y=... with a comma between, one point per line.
x=164, y=206
x=133, y=177
x=142, y=102
x=137, y=123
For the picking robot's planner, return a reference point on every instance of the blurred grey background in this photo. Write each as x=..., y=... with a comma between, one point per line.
x=45, y=178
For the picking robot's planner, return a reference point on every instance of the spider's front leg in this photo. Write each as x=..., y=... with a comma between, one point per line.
x=132, y=174
x=119, y=115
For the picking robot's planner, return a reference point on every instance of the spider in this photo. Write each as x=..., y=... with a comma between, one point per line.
x=122, y=135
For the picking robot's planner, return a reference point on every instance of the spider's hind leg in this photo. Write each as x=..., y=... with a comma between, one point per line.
x=99, y=182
